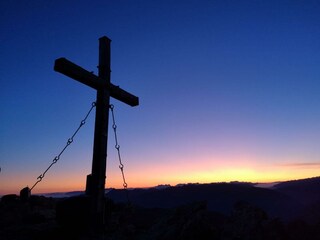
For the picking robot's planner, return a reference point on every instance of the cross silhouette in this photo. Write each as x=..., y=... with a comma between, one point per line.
x=95, y=186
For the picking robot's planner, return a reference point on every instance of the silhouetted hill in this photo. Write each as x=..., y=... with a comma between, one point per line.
x=306, y=191
x=221, y=211
x=220, y=197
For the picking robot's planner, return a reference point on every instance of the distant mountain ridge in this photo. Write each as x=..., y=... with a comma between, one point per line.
x=220, y=197
x=306, y=191
x=285, y=200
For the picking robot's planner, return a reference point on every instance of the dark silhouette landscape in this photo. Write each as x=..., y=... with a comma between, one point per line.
x=288, y=210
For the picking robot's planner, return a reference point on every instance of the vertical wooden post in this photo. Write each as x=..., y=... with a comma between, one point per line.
x=96, y=182
x=95, y=186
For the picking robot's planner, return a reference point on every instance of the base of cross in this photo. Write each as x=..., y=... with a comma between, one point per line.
x=76, y=213
x=98, y=199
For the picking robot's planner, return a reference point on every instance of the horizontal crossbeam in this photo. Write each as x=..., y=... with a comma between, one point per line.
x=64, y=66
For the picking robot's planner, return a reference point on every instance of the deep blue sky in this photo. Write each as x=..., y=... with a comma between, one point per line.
x=229, y=90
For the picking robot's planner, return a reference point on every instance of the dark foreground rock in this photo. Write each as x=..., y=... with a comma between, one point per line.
x=38, y=219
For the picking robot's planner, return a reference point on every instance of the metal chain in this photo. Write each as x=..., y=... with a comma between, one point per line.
x=117, y=147
x=70, y=140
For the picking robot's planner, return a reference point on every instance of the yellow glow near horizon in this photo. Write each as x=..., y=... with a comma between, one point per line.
x=223, y=174
x=202, y=172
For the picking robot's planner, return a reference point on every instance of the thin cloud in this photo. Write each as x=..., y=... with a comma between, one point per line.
x=301, y=164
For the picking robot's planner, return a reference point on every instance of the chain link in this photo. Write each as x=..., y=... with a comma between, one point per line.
x=117, y=147
x=70, y=140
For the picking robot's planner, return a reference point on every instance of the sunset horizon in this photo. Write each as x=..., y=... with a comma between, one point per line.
x=43, y=188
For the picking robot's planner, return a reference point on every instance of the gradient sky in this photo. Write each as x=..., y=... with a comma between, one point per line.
x=229, y=90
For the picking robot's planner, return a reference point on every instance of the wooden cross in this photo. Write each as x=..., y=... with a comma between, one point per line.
x=95, y=186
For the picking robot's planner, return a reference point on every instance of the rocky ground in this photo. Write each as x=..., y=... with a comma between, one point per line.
x=49, y=218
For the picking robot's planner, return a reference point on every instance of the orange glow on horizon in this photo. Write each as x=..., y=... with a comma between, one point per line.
x=242, y=170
